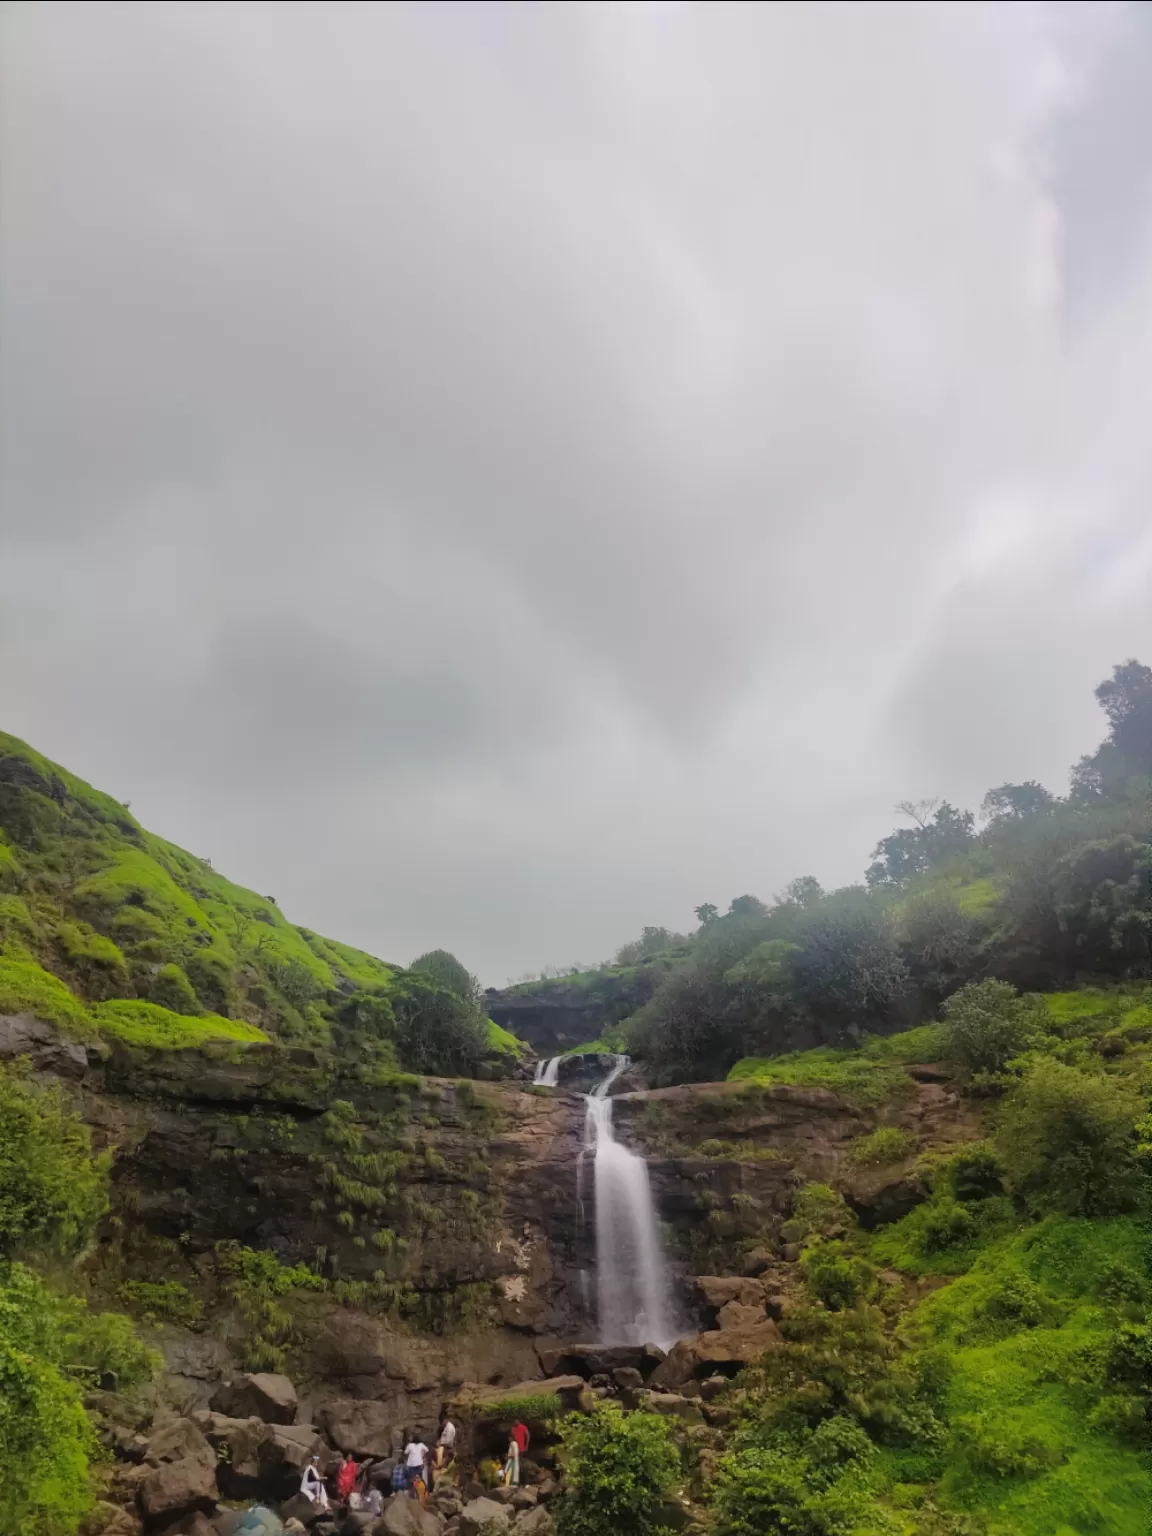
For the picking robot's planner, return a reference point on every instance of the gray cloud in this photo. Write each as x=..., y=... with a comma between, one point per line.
x=575, y=461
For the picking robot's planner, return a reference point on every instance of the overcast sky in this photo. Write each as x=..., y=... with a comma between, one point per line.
x=495, y=476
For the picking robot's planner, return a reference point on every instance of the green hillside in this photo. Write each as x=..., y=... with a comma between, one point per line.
x=110, y=931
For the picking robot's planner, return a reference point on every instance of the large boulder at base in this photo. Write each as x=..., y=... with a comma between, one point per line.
x=260, y=1395
x=735, y=1314
x=673, y=1406
x=483, y=1512
x=284, y=1454
x=105, y=1519
x=474, y=1401
x=358, y=1427
x=739, y=1345
x=535, y=1522
x=722, y=1351
x=404, y=1516
x=590, y=1360
x=176, y=1489
x=717, y=1291
x=237, y=1444
x=177, y=1440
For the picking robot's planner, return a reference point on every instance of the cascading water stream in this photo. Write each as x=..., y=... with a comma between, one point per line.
x=633, y=1298
x=546, y=1072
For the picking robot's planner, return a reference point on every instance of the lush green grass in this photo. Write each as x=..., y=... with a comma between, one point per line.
x=140, y=1023
x=26, y=987
x=1024, y=1334
x=869, y=1076
x=503, y=1040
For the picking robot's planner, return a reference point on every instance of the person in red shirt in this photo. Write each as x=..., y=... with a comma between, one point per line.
x=346, y=1479
x=517, y=1446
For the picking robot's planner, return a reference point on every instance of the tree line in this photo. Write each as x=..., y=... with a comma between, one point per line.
x=1043, y=892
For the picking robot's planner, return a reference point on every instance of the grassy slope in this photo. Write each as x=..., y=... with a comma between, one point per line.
x=1030, y=1305
x=106, y=928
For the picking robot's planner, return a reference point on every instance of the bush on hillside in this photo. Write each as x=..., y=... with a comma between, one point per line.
x=1067, y=1141
x=941, y=944
x=986, y=1024
x=429, y=1028
x=835, y=1276
x=846, y=970
x=52, y=1191
x=171, y=989
x=618, y=1467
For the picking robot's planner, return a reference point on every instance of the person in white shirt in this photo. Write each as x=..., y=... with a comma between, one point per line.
x=374, y=1501
x=447, y=1436
x=312, y=1484
x=415, y=1455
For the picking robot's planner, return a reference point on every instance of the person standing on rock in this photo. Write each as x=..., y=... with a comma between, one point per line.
x=517, y=1445
x=446, y=1439
x=415, y=1458
x=346, y=1479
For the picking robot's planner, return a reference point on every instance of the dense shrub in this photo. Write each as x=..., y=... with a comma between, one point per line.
x=51, y=1189
x=886, y=1144
x=618, y=1467
x=46, y=1438
x=986, y=1025
x=1067, y=1140
x=836, y=1276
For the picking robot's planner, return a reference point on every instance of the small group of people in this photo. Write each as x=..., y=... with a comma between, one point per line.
x=518, y=1439
x=416, y=1471
x=346, y=1483
x=421, y=1467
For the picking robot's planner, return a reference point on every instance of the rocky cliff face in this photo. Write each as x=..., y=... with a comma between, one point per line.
x=438, y=1219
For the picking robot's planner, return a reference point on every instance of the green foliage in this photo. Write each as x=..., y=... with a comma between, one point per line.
x=435, y=1030
x=815, y=1484
x=256, y=1283
x=886, y=1144
x=818, y=1211
x=987, y=1024
x=540, y=1408
x=617, y=1468
x=172, y=991
x=939, y=833
x=163, y=1301
x=847, y=969
x=51, y=1190
x=836, y=1276
x=861, y=1077
x=1067, y=1140
x=119, y=911
x=26, y=987
x=147, y=1024
x=46, y=1438
x=443, y=968
x=94, y=958
x=502, y=1041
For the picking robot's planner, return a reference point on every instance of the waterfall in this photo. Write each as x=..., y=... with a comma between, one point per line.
x=546, y=1072
x=633, y=1300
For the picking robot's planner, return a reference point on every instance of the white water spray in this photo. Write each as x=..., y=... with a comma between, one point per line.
x=546, y=1072
x=633, y=1302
